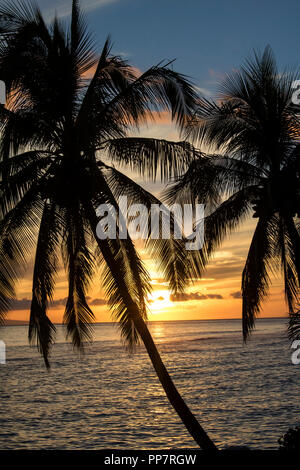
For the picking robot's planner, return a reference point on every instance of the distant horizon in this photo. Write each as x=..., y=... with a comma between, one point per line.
x=23, y=322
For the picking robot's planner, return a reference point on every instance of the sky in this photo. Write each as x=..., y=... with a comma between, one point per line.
x=208, y=40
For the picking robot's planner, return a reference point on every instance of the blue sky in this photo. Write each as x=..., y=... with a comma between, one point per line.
x=208, y=38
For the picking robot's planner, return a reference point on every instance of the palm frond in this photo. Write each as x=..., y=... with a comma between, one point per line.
x=41, y=329
x=135, y=278
x=17, y=237
x=14, y=186
x=210, y=179
x=112, y=75
x=122, y=291
x=79, y=263
x=152, y=157
x=81, y=43
x=289, y=247
x=226, y=218
x=172, y=260
x=253, y=118
x=259, y=263
x=157, y=89
x=126, y=294
x=22, y=26
x=294, y=325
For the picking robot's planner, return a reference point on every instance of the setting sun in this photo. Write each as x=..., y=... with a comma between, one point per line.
x=159, y=301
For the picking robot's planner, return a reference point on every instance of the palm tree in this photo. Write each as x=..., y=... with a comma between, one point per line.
x=57, y=134
x=252, y=133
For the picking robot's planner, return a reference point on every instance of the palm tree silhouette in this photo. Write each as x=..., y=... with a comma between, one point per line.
x=253, y=134
x=56, y=134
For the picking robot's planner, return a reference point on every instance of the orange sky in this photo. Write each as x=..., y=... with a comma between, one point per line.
x=217, y=295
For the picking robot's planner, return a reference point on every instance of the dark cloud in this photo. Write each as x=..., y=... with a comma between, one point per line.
x=24, y=304
x=193, y=296
x=97, y=302
x=214, y=296
x=228, y=270
x=236, y=295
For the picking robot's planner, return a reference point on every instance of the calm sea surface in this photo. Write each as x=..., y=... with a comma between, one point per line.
x=242, y=395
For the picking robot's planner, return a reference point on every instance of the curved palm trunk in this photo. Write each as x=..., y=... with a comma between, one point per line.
x=179, y=405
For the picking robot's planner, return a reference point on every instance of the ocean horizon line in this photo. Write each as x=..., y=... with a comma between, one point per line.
x=25, y=323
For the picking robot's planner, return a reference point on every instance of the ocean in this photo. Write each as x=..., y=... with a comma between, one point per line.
x=110, y=399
